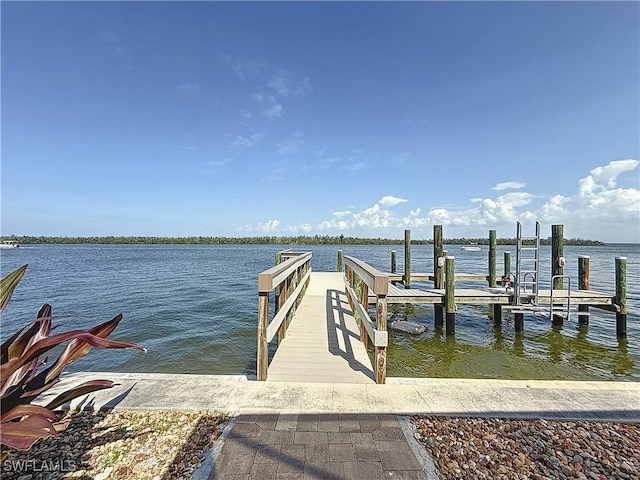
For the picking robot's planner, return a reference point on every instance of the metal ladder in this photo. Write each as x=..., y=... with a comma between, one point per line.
x=525, y=285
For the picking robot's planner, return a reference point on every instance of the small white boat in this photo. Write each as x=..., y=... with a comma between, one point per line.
x=9, y=244
x=471, y=248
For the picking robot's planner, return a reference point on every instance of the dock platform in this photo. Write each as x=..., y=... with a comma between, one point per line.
x=322, y=343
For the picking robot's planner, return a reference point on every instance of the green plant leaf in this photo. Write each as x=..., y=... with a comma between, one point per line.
x=8, y=284
x=87, y=387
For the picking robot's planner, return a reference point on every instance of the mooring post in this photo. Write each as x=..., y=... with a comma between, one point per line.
x=407, y=259
x=583, y=284
x=557, y=255
x=340, y=266
x=263, y=346
x=438, y=270
x=497, y=314
x=449, y=295
x=518, y=321
x=393, y=261
x=507, y=265
x=492, y=258
x=557, y=263
x=621, y=297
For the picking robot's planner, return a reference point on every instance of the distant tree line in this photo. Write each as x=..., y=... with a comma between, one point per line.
x=271, y=240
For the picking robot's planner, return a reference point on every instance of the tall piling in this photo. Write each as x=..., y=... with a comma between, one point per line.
x=507, y=265
x=340, y=261
x=583, y=284
x=449, y=295
x=492, y=258
x=557, y=263
x=621, y=297
x=557, y=255
x=438, y=271
x=407, y=259
x=393, y=261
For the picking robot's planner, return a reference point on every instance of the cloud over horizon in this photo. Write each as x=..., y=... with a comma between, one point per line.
x=597, y=205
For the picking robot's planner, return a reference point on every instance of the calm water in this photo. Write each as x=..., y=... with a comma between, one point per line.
x=194, y=307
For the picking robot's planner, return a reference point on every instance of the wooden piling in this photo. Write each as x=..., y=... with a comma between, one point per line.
x=407, y=259
x=507, y=265
x=340, y=263
x=263, y=346
x=557, y=253
x=449, y=297
x=583, y=284
x=492, y=258
x=497, y=314
x=393, y=261
x=621, y=297
x=438, y=271
x=518, y=321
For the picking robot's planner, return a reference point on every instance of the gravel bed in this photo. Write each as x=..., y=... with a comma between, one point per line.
x=119, y=445
x=477, y=448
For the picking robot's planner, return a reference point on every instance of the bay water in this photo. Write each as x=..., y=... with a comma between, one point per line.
x=194, y=307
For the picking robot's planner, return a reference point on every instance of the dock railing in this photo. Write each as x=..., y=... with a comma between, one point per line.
x=287, y=280
x=363, y=277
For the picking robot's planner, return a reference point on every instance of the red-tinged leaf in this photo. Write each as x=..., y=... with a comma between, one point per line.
x=25, y=410
x=48, y=343
x=4, y=349
x=31, y=394
x=87, y=387
x=8, y=284
x=78, y=349
x=21, y=435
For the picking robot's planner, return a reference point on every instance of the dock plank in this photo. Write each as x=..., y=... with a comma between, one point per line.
x=323, y=340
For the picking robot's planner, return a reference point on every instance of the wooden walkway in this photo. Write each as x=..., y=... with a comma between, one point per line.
x=322, y=343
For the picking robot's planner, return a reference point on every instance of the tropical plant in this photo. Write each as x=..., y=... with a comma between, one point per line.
x=24, y=376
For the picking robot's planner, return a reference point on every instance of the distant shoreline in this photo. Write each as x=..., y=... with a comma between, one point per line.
x=272, y=240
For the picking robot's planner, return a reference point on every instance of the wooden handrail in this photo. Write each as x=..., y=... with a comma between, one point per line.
x=378, y=282
x=270, y=279
x=289, y=278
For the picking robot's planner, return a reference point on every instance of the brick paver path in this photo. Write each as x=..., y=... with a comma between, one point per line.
x=317, y=446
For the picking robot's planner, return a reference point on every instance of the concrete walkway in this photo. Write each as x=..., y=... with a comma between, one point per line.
x=297, y=430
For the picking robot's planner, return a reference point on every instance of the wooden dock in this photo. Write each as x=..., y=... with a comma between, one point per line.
x=322, y=343
x=324, y=321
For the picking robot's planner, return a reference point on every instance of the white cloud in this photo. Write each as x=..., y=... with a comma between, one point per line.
x=508, y=186
x=356, y=167
x=247, y=141
x=391, y=201
x=292, y=145
x=284, y=84
x=598, y=209
x=273, y=112
x=268, y=226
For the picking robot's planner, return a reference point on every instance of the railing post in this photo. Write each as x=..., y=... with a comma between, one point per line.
x=621, y=297
x=282, y=297
x=407, y=259
x=381, y=352
x=583, y=284
x=364, y=301
x=449, y=296
x=340, y=267
x=263, y=347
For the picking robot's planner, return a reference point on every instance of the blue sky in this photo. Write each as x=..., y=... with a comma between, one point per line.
x=328, y=118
